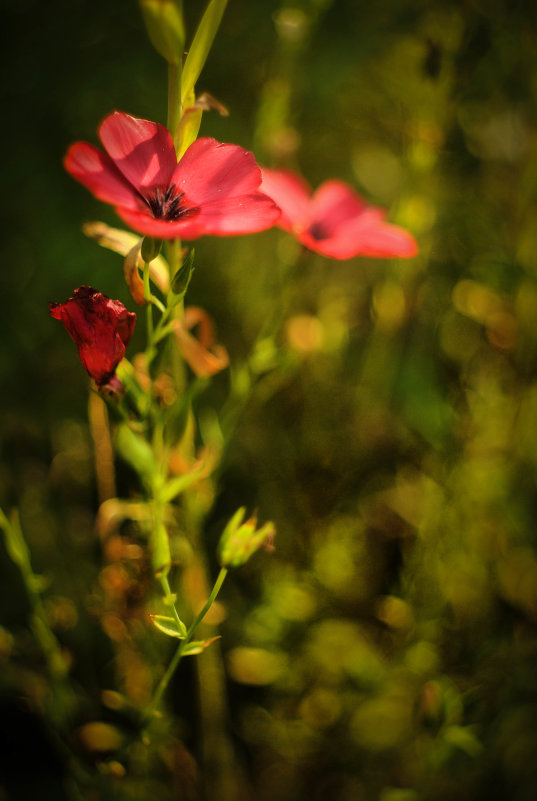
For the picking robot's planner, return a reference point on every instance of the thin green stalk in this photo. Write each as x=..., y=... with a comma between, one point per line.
x=20, y=554
x=165, y=680
x=174, y=97
x=168, y=595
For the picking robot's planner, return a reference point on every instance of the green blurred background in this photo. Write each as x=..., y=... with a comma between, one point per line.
x=387, y=650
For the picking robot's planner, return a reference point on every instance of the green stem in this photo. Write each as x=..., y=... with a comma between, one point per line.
x=174, y=97
x=168, y=594
x=165, y=680
x=173, y=254
x=20, y=554
x=210, y=600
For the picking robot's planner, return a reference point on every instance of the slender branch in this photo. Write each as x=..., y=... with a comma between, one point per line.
x=165, y=680
x=168, y=595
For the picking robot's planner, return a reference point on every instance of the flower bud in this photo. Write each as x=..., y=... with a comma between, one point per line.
x=100, y=327
x=240, y=539
x=182, y=277
x=165, y=27
x=150, y=248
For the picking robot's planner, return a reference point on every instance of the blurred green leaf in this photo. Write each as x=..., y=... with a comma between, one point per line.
x=201, y=45
x=197, y=646
x=463, y=738
x=136, y=451
x=169, y=626
x=165, y=27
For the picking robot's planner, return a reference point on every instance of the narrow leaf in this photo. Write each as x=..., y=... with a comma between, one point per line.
x=197, y=646
x=179, y=484
x=169, y=626
x=15, y=544
x=201, y=45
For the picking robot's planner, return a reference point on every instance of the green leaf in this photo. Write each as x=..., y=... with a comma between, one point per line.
x=197, y=646
x=136, y=451
x=462, y=737
x=169, y=626
x=164, y=23
x=179, y=484
x=201, y=44
x=15, y=544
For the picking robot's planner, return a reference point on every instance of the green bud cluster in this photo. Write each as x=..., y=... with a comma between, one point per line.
x=240, y=539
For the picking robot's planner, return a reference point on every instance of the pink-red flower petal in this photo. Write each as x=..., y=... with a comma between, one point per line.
x=144, y=223
x=227, y=216
x=380, y=240
x=212, y=190
x=98, y=173
x=333, y=204
x=243, y=214
x=143, y=151
x=292, y=194
x=210, y=170
x=335, y=221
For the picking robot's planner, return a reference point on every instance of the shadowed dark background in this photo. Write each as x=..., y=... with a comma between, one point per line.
x=387, y=649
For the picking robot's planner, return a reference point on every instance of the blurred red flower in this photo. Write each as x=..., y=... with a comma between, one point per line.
x=100, y=327
x=334, y=220
x=212, y=190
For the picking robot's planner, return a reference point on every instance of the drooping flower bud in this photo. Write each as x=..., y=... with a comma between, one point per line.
x=240, y=539
x=100, y=327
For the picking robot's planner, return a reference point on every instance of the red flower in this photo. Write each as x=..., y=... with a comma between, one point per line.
x=334, y=221
x=212, y=190
x=100, y=327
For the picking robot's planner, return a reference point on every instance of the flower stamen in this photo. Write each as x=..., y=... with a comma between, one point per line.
x=165, y=204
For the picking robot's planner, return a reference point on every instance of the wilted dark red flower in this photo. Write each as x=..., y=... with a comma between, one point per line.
x=100, y=327
x=212, y=190
x=334, y=220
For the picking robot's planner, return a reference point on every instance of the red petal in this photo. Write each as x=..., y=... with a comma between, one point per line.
x=367, y=235
x=101, y=357
x=146, y=224
x=292, y=194
x=226, y=216
x=141, y=149
x=210, y=170
x=245, y=214
x=97, y=172
x=384, y=241
x=333, y=204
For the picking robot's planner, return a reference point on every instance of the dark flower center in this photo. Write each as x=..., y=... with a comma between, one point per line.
x=317, y=231
x=166, y=204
